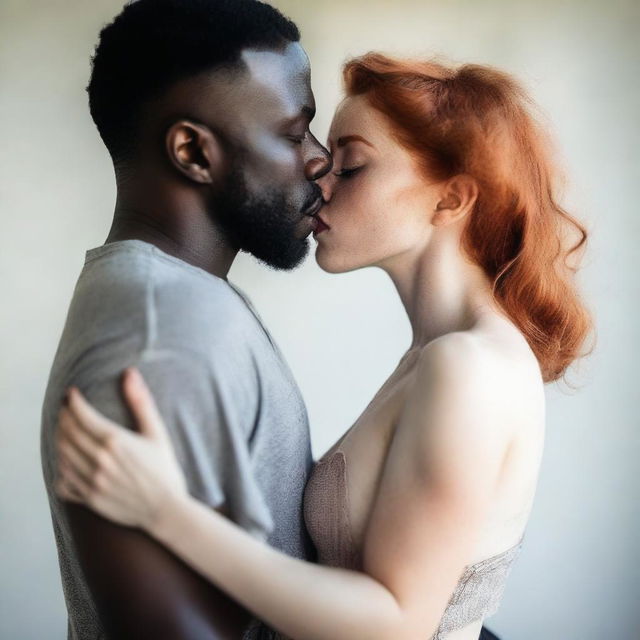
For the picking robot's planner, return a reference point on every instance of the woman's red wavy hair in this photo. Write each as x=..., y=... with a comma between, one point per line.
x=474, y=119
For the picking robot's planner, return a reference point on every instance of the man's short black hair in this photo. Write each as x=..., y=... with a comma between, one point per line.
x=152, y=44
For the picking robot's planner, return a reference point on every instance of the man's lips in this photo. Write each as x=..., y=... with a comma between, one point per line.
x=315, y=207
x=318, y=225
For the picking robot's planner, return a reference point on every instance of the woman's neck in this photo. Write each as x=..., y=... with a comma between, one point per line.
x=441, y=291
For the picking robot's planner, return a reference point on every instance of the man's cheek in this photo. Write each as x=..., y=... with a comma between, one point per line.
x=277, y=167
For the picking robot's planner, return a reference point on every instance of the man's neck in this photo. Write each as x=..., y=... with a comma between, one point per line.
x=191, y=237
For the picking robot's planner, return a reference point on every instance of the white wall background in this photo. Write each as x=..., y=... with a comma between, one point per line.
x=578, y=577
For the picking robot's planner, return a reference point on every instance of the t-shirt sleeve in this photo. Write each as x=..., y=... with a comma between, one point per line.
x=209, y=414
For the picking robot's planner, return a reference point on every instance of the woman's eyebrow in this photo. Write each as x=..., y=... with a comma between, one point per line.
x=343, y=140
x=352, y=138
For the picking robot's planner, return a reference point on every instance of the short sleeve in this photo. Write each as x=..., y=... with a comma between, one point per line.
x=208, y=414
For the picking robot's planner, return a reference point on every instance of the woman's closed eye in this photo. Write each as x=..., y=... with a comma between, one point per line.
x=347, y=172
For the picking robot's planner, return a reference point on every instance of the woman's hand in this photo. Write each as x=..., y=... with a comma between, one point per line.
x=122, y=475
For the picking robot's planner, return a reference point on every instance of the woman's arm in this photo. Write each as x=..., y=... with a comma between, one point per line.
x=300, y=599
x=438, y=478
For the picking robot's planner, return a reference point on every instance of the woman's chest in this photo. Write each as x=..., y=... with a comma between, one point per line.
x=355, y=463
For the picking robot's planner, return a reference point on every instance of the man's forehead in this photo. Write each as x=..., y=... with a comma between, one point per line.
x=273, y=86
x=288, y=63
x=282, y=75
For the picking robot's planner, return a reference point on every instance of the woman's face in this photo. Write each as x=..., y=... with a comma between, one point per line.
x=379, y=204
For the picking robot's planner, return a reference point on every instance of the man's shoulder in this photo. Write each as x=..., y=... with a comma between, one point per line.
x=135, y=279
x=133, y=264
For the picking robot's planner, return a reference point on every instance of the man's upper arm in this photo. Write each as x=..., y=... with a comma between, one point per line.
x=140, y=589
x=143, y=591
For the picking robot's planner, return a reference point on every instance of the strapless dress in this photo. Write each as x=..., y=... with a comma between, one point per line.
x=479, y=590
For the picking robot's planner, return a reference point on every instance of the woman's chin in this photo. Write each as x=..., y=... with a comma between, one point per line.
x=330, y=262
x=325, y=261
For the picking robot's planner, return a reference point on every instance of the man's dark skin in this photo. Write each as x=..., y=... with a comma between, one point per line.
x=164, y=198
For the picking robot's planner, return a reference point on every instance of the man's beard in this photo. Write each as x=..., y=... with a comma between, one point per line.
x=260, y=224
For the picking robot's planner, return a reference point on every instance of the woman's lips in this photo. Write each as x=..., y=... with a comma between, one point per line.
x=320, y=226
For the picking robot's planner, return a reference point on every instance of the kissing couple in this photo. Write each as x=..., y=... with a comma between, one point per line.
x=175, y=442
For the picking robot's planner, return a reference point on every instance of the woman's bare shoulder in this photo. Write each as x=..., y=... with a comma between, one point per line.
x=486, y=355
x=483, y=373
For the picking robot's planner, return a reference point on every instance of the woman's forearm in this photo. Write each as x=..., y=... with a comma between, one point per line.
x=302, y=600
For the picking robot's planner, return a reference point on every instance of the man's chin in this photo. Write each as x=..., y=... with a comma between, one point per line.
x=286, y=258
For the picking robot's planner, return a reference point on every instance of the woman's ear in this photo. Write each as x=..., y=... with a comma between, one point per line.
x=457, y=197
x=195, y=151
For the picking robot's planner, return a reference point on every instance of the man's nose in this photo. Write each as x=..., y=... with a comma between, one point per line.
x=319, y=164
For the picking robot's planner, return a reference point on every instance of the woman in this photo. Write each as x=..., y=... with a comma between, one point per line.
x=442, y=179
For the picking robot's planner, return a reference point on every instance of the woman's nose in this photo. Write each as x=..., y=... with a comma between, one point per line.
x=325, y=183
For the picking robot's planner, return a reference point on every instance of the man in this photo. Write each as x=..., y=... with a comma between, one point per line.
x=204, y=106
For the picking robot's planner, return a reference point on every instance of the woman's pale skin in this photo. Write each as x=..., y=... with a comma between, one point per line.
x=442, y=464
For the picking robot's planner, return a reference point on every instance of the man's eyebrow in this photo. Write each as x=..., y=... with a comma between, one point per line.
x=306, y=112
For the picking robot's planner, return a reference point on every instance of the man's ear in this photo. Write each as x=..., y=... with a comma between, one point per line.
x=457, y=197
x=195, y=151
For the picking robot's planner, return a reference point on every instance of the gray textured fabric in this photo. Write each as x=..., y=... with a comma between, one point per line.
x=234, y=412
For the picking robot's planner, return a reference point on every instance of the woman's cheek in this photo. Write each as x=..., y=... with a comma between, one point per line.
x=346, y=246
x=353, y=217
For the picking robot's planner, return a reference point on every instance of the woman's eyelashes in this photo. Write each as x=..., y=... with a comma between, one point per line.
x=347, y=173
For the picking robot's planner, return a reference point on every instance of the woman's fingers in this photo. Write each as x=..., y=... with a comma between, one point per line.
x=95, y=492
x=71, y=485
x=64, y=491
x=142, y=404
x=70, y=431
x=87, y=456
x=90, y=419
x=72, y=456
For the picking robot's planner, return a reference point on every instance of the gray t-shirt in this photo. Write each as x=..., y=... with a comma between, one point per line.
x=235, y=414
